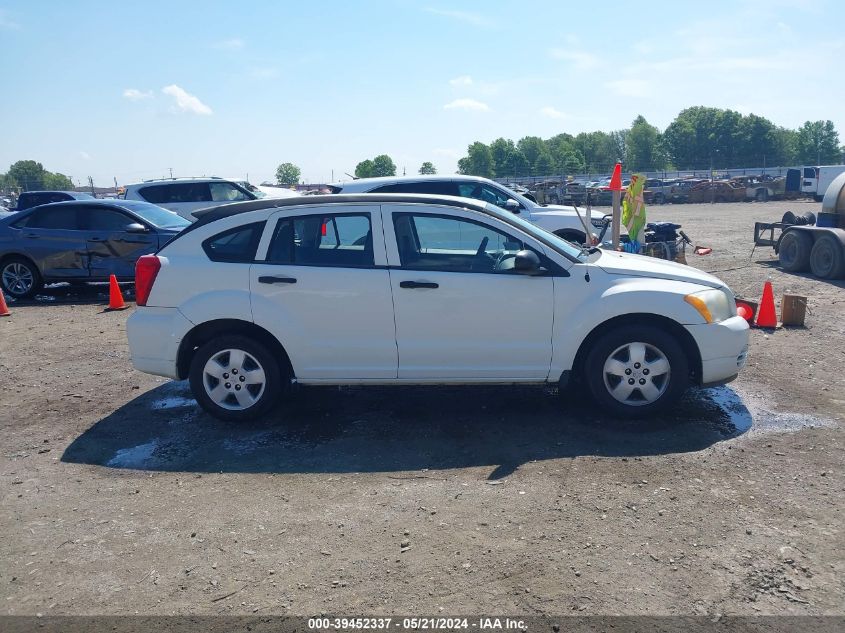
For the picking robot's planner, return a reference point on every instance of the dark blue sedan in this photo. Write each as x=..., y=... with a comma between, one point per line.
x=79, y=241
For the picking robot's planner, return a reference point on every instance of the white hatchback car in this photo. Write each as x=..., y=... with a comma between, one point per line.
x=400, y=289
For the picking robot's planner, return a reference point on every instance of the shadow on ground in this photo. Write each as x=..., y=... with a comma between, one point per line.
x=332, y=430
x=76, y=294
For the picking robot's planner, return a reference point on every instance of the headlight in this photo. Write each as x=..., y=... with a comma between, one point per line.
x=713, y=305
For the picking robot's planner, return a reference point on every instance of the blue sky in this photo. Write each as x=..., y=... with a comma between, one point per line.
x=128, y=90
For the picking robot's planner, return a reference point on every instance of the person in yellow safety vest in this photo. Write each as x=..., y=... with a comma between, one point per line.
x=633, y=212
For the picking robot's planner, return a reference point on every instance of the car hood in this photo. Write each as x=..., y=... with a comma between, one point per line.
x=561, y=210
x=615, y=263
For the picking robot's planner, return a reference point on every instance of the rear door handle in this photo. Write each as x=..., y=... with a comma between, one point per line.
x=32, y=236
x=276, y=280
x=96, y=239
x=418, y=284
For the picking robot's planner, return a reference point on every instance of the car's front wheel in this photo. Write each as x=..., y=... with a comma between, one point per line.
x=636, y=371
x=20, y=278
x=234, y=378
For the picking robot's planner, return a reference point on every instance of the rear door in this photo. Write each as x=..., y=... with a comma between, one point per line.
x=112, y=249
x=52, y=238
x=321, y=286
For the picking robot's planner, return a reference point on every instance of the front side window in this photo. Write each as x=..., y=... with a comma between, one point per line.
x=237, y=245
x=98, y=219
x=449, y=244
x=226, y=192
x=323, y=240
x=484, y=192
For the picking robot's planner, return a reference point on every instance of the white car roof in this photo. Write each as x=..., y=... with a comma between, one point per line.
x=365, y=184
x=169, y=181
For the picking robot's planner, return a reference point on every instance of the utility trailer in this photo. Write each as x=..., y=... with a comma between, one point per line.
x=802, y=247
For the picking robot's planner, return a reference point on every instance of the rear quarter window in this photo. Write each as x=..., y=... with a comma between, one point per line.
x=236, y=245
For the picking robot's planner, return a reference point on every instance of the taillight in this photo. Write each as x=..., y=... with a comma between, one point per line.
x=146, y=269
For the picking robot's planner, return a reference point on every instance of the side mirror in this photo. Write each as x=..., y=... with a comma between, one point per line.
x=513, y=206
x=527, y=262
x=136, y=227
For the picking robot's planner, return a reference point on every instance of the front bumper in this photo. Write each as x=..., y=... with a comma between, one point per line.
x=154, y=336
x=723, y=348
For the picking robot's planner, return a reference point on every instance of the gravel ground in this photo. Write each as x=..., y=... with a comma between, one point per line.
x=119, y=497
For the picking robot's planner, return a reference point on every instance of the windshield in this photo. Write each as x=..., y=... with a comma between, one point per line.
x=558, y=243
x=162, y=218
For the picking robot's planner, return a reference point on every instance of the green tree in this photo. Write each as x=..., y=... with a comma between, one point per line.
x=567, y=157
x=27, y=174
x=383, y=166
x=531, y=147
x=818, y=143
x=478, y=161
x=544, y=164
x=515, y=164
x=288, y=174
x=597, y=149
x=57, y=182
x=501, y=149
x=364, y=169
x=643, y=151
x=427, y=168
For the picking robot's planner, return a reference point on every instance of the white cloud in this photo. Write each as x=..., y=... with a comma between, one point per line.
x=581, y=60
x=84, y=155
x=185, y=101
x=232, y=44
x=552, y=113
x=133, y=94
x=473, y=19
x=470, y=105
x=463, y=80
x=8, y=23
x=630, y=87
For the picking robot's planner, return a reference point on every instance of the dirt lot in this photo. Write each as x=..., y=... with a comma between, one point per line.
x=118, y=497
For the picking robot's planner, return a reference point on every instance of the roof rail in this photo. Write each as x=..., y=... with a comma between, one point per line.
x=184, y=178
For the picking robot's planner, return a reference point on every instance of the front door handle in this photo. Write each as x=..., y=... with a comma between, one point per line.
x=418, y=284
x=96, y=239
x=276, y=280
x=32, y=236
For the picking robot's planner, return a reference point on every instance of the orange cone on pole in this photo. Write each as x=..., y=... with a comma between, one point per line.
x=767, y=316
x=116, y=297
x=4, y=309
x=616, y=178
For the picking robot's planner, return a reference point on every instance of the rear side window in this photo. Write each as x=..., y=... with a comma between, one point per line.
x=323, y=240
x=56, y=217
x=176, y=192
x=236, y=245
x=437, y=188
x=29, y=200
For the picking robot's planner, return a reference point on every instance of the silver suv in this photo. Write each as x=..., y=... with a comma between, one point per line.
x=186, y=195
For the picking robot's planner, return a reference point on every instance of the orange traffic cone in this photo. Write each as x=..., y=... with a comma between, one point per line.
x=115, y=296
x=4, y=309
x=616, y=178
x=767, y=316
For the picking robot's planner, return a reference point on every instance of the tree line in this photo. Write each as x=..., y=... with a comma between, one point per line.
x=29, y=175
x=698, y=138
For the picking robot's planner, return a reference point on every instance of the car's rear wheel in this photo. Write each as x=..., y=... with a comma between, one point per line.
x=234, y=378
x=636, y=371
x=20, y=278
x=762, y=195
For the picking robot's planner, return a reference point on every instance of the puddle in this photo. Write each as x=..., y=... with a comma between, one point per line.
x=249, y=444
x=751, y=414
x=173, y=402
x=135, y=457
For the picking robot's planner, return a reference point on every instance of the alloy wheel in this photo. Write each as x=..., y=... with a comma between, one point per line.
x=234, y=379
x=636, y=374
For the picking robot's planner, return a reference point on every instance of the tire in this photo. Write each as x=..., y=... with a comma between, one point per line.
x=247, y=397
x=794, y=251
x=659, y=199
x=20, y=278
x=818, y=198
x=615, y=354
x=762, y=195
x=827, y=259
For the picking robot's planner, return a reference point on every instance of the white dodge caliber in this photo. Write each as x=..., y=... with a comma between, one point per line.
x=387, y=289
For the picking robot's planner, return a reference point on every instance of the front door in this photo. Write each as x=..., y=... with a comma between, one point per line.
x=112, y=249
x=321, y=286
x=462, y=311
